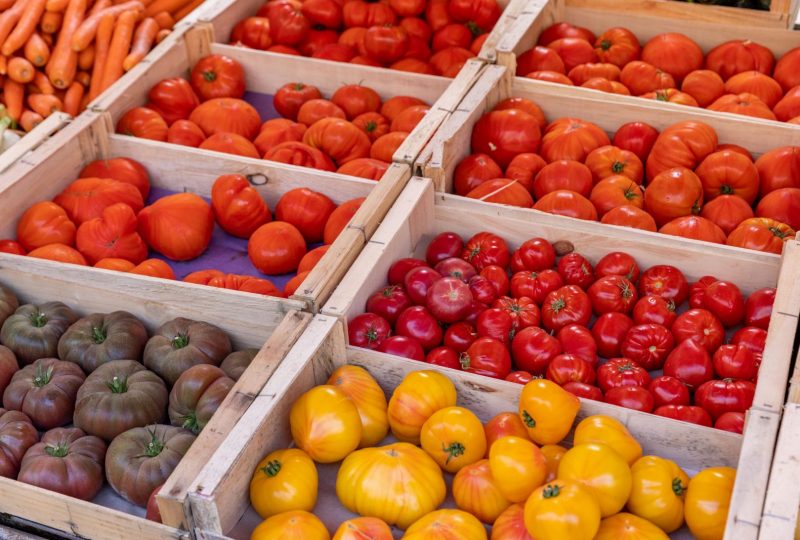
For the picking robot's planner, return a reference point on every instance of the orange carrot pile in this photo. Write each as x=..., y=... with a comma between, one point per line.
x=58, y=55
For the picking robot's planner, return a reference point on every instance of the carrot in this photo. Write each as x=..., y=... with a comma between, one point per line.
x=165, y=5
x=29, y=120
x=20, y=70
x=88, y=28
x=84, y=78
x=42, y=83
x=56, y=6
x=51, y=21
x=162, y=35
x=3, y=65
x=86, y=58
x=188, y=8
x=14, y=96
x=5, y=4
x=164, y=20
x=99, y=5
x=64, y=61
x=101, y=44
x=25, y=26
x=36, y=50
x=9, y=18
x=73, y=98
x=120, y=45
x=143, y=40
x=44, y=104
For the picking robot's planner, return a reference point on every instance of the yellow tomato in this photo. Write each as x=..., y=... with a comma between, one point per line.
x=601, y=471
x=446, y=525
x=453, y=437
x=284, y=480
x=659, y=488
x=295, y=525
x=707, y=502
x=560, y=510
x=503, y=425
x=626, y=526
x=369, y=399
x=552, y=455
x=518, y=467
x=325, y=423
x=398, y=483
x=416, y=398
x=476, y=492
x=600, y=428
x=363, y=528
x=547, y=410
x=510, y=525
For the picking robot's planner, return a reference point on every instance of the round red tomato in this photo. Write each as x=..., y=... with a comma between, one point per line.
x=668, y=390
x=685, y=413
x=654, y=310
x=418, y=323
x=636, y=137
x=480, y=14
x=523, y=311
x=609, y=331
x=621, y=372
x=718, y=397
x=445, y=357
x=291, y=96
x=758, y=309
x=731, y=421
x=566, y=368
x=697, y=292
x=519, y=377
x=459, y=336
x=578, y=341
x=612, y=294
x=449, y=299
x=403, y=346
x=276, y=248
x=483, y=290
x=535, y=285
x=665, y=281
x=444, y=246
x=498, y=276
x=533, y=349
x=631, y=397
x=725, y=301
x=487, y=356
x=576, y=270
x=457, y=268
x=496, y=323
x=485, y=249
x=389, y=302
x=700, y=325
x=648, y=345
x=173, y=99
x=398, y=270
x=473, y=171
x=583, y=390
x=690, y=363
x=386, y=44
x=417, y=281
x=503, y=134
x=368, y=330
x=736, y=362
x=218, y=76
x=752, y=337
x=537, y=254
x=567, y=305
x=617, y=263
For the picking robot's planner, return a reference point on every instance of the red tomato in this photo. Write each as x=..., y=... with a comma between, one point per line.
x=474, y=170
x=617, y=46
x=144, y=123
x=537, y=254
x=367, y=14
x=573, y=51
x=307, y=210
x=761, y=234
x=578, y=341
x=674, y=53
x=524, y=168
x=629, y=216
x=481, y=14
x=736, y=56
x=401, y=267
x=673, y=193
x=719, y=397
x=498, y=277
x=483, y=290
x=685, y=413
x=46, y=223
x=368, y=330
x=731, y=421
x=386, y=44
x=608, y=161
x=669, y=391
x=617, y=263
x=758, y=309
x=417, y=282
x=238, y=207
x=694, y=227
x=582, y=390
x=253, y=32
x=325, y=13
x=459, y=336
x=504, y=134
x=727, y=212
x=487, y=356
x=300, y=154
x=418, y=323
x=567, y=305
x=736, y=362
x=572, y=138
x=122, y=169
x=756, y=83
x=485, y=249
x=728, y=172
x=524, y=312
x=563, y=30
x=700, y=325
x=452, y=35
x=697, y=292
x=631, y=397
x=574, y=269
x=276, y=248
x=704, y=85
x=665, y=281
x=567, y=203
x=535, y=285
x=636, y=137
x=533, y=349
x=496, y=323
x=619, y=372
x=12, y=247
x=356, y=100
x=751, y=337
x=609, y=331
x=654, y=310
x=218, y=76
x=648, y=345
x=563, y=174
x=566, y=368
x=539, y=59
x=449, y=299
x=389, y=302
x=444, y=246
x=690, y=363
x=288, y=25
x=173, y=99
x=340, y=219
x=403, y=346
x=612, y=294
x=519, y=377
x=445, y=357
x=779, y=168
x=230, y=143
x=457, y=268
x=725, y=301
x=781, y=205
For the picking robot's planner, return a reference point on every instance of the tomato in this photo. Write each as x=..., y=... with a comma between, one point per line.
x=655, y=310
x=610, y=432
x=751, y=337
x=315, y=110
x=604, y=85
x=502, y=191
x=418, y=281
x=487, y=356
x=284, y=480
x=648, y=345
x=310, y=259
x=731, y=421
x=612, y=294
x=607, y=161
x=230, y=143
x=758, y=309
x=276, y=248
x=690, y=363
x=307, y=210
x=617, y=46
x=154, y=268
x=403, y=346
x=673, y=193
x=566, y=368
x=356, y=100
x=178, y=226
x=454, y=438
x=498, y=277
x=518, y=466
x=143, y=122
x=684, y=144
x=418, y=323
x=737, y=56
x=567, y=203
x=788, y=108
x=510, y=525
x=59, y=252
x=401, y=267
x=389, y=303
x=324, y=13
x=473, y=171
x=227, y=115
x=533, y=349
x=291, y=525
x=744, y=103
x=550, y=76
x=173, y=99
x=339, y=139
x=523, y=311
x=483, y=290
x=727, y=212
x=761, y=234
x=675, y=53
x=368, y=168
x=503, y=425
x=576, y=270
x=781, y=205
x=12, y=247
x=237, y=206
x=503, y=134
x=567, y=305
x=571, y=138
x=276, y=131
x=45, y=223
x=485, y=249
x=121, y=169
x=288, y=25
x=300, y=154
x=658, y=491
x=340, y=218
x=185, y=133
x=736, y=362
x=459, y=336
x=668, y=390
x=445, y=357
x=685, y=413
x=665, y=281
x=325, y=423
x=363, y=527
x=447, y=523
x=725, y=301
x=563, y=174
x=583, y=390
x=254, y=32
x=728, y=173
x=643, y=77
x=359, y=386
x=694, y=227
x=573, y=51
x=113, y=234
x=631, y=397
x=547, y=410
x=601, y=471
x=756, y=83
x=448, y=299
x=578, y=340
x=415, y=399
x=620, y=372
x=496, y=323
x=718, y=397
x=707, y=502
x=386, y=44
x=670, y=95
x=217, y=76
x=698, y=291
x=535, y=285
x=628, y=526
x=409, y=118
x=700, y=325
x=609, y=331
x=636, y=137
x=386, y=145
x=630, y=216
x=562, y=30
x=704, y=85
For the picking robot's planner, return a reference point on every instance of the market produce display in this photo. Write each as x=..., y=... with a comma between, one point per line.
x=738, y=76
x=58, y=55
x=351, y=132
x=94, y=398
x=434, y=37
x=512, y=473
x=607, y=330
x=682, y=181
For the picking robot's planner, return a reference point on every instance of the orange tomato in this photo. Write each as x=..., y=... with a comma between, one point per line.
x=476, y=491
x=728, y=172
x=122, y=169
x=384, y=147
x=339, y=139
x=186, y=133
x=671, y=95
x=567, y=203
x=374, y=124
x=85, y=198
x=112, y=235
x=230, y=143
x=502, y=191
x=518, y=466
x=276, y=248
x=276, y=131
x=368, y=397
x=675, y=53
x=552, y=454
x=325, y=423
x=642, y=77
x=727, y=212
x=227, y=115
x=368, y=168
x=340, y=218
x=704, y=85
x=446, y=525
x=684, y=144
x=583, y=72
x=315, y=110
x=744, y=103
x=310, y=259
x=45, y=223
x=612, y=161
x=294, y=525
x=143, y=122
x=415, y=399
x=761, y=234
x=615, y=191
x=630, y=216
x=779, y=168
x=571, y=138
x=563, y=174
x=510, y=525
x=178, y=226
x=673, y=193
x=694, y=227
x=306, y=210
x=760, y=85
x=238, y=207
x=154, y=268
x=60, y=253
x=454, y=438
x=120, y=265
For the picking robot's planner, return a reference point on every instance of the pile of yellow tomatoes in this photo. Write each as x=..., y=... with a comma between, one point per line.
x=510, y=474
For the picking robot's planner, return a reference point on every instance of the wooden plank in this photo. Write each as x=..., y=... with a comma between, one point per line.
x=780, y=515
x=374, y=209
x=33, y=139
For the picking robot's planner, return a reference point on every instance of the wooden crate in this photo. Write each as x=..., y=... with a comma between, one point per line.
x=31, y=141
x=153, y=303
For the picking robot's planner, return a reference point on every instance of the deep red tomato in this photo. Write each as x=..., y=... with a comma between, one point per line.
x=173, y=99
x=496, y=323
x=417, y=281
x=444, y=356
x=731, y=421
x=499, y=278
x=563, y=174
x=690, y=363
x=700, y=325
x=482, y=290
x=562, y=30
x=523, y=311
x=617, y=46
x=355, y=100
x=533, y=349
x=474, y=310
x=579, y=341
x=612, y=294
x=307, y=210
x=567, y=305
x=324, y=13
x=539, y=59
x=535, y=285
x=368, y=330
x=386, y=44
x=636, y=137
x=719, y=397
x=752, y=337
x=758, y=309
x=655, y=310
x=537, y=254
x=389, y=302
x=524, y=168
x=487, y=356
x=403, y=346
x=253, y=32
x=367, y=14
x=617, y=263
x=566, y=368
x=474, y=170
x=401, y=267
x=12, y=247
x=480, y=14
x=459, y=336
x=217, y=76
x=735, y=362
x=609, y=330
x=290, y=97
x=418, y=323
x=485, y=249
x=574, y=52
x=582, y=390
x=648, y=345
x=665, y=281
x=288, y=25
x=519, y=377
x=725, y=301
x=621, y=372
x=631, y=397
x=504, y=134
x=576, y=270
x=669, y=391
x=697, y=292
x=444, y=246
x=452, y=35
x=685, y=413
x=457, y=268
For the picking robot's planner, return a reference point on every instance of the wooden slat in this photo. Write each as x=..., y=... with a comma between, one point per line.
x=31, y=141
x=780, y=515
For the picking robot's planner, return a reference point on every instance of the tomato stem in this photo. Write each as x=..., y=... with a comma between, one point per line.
x=677, y=487
x=272, y=468
x=190, y=422
x=180, y=341
x=209, y=76
x=118, y=385
x=528, y=420
x=155, y=446
x=551, y=490
x=41, y=377
x=59, y=451
x=38, y=319
x=453, y=450
x=99, y=334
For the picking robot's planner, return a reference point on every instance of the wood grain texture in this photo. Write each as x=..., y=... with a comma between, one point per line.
x=31, y=141
x=780, y=514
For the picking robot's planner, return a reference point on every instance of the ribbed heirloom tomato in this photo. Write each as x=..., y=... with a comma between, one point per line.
x=45, y=223
x=238, y=207
x=177, y=226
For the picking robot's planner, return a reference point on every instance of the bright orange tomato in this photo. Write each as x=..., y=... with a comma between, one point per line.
x=238, y=207
x=113, y=234
x=368, y=397
x=630, y=216
x=547, y=410
x=624, y=526
x=416, y=398
x=340, y=218
x=283, y=481
x=121, y=169
x=178, y=226
x=454, y=438
x=60, y=253
x=518, y=466
x=476, y=491
x=325, y=423
x=45, y=223
x=610, y=160
x=446, y=524
x=120, y=265
x=761, y=234
x=154, y=268
x=276, y=248
x=614, y=191
x=673, y=193
x=571, y=138
x=295, y=525
x=307, y=210
x=85, y=198
x=562, y=509
x=552, y=455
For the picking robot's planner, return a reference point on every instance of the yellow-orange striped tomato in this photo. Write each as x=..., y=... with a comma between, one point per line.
x=363, y=528
x=369, y=399
x=325, y=423
x=453, y=437
x=398, y=483
x=416, y=398
x=560, y=510
x=510, y=525
x=518, y=467
x=504, y=424
x=658, y=492
x=624, y=526
x=708, y=501
x=552, y=455
x=601, y=471
x=294, y=525
x=600, y=428
x=284, y=480
x=547, y=410
x=476, y=492
x=446, y=524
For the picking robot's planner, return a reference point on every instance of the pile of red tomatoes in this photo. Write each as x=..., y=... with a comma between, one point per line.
x=681, y=181
x=737, y=76
x=434, y=37
x=645, y=339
